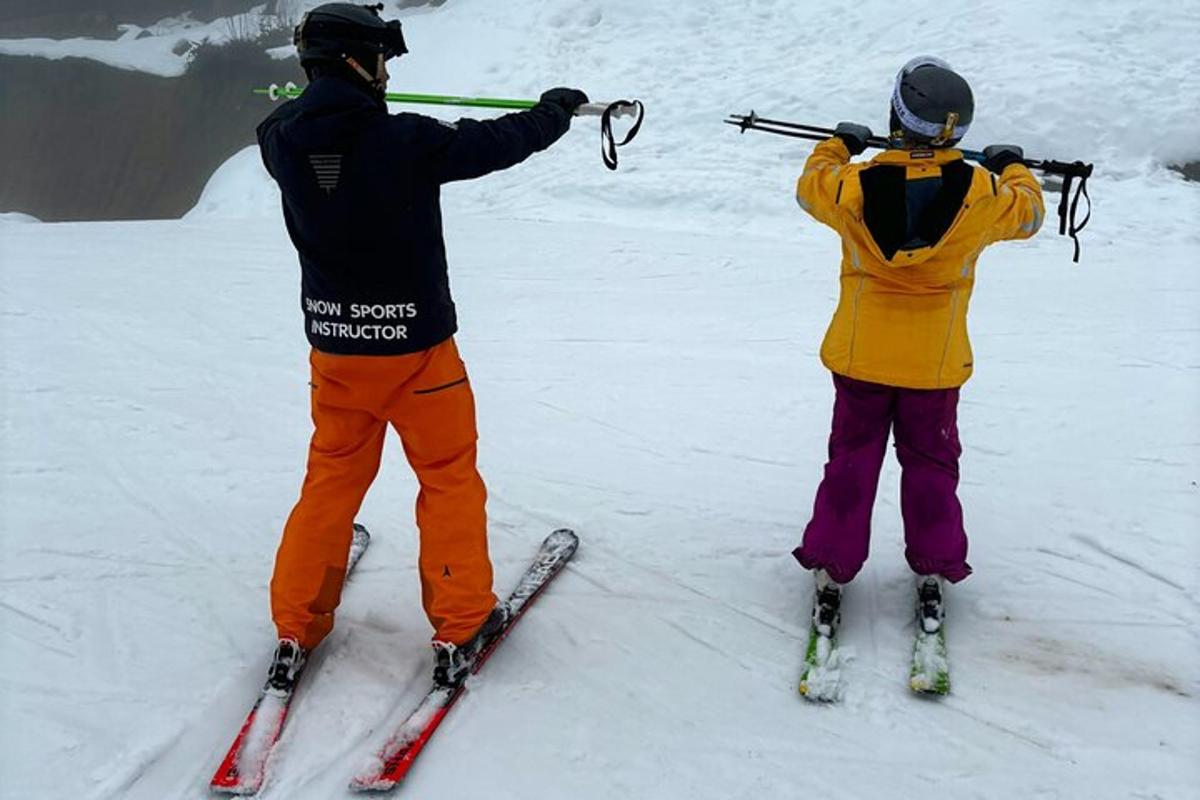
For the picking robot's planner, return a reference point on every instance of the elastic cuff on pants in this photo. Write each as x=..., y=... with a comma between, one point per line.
x=308, y=643
x=461, y=634
x=839, y=573
x=951, y=571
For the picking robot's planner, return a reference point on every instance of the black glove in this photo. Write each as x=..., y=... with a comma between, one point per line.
x=998, y=156
x=569, y=100
x=854, y=135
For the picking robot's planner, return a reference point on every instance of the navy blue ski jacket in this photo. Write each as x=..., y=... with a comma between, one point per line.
x=361, y=199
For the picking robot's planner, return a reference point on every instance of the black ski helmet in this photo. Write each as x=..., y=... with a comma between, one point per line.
x=334, y=31
x=932, y=105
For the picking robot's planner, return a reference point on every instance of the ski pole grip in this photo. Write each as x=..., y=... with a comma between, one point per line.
x=598, y=109
x=1072, y=169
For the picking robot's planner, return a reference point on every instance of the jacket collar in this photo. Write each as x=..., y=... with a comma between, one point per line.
x=339, y=92
x=915, y=158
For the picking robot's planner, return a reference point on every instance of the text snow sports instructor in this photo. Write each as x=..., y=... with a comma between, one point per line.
x=360, y=194
x=912, y=221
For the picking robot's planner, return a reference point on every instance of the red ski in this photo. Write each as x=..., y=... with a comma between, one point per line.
x=245, y=765
x=396, y=757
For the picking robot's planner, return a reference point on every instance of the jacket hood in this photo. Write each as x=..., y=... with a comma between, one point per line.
x=918, y=163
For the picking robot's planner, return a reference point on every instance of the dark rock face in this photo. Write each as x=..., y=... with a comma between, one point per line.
x=1190, y=170
x=83, y=141
x=80, y=140
x=62, y=19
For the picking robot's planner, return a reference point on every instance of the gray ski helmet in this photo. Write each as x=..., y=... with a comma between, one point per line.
x=931, y=104
x=331, y=32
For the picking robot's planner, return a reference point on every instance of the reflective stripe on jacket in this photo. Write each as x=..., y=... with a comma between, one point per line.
x=902, y=316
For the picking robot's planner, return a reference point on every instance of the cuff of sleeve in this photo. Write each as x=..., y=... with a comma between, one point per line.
x=1001, y=165
x=835, y=145
x=555, y=109
x=1004, y=170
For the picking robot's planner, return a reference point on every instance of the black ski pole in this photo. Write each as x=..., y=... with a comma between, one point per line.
x=814, y=135
x=1068, y=205
x=752, y=121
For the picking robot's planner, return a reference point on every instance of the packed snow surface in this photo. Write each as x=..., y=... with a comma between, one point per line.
x=643, y=347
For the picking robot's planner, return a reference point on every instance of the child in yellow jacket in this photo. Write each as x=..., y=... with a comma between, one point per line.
x=913, y=221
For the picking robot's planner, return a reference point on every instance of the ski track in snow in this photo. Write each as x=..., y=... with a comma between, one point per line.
x=643, y=346
x=1129, y=562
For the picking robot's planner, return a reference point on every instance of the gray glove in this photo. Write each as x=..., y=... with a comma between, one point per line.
x=998, y=156
x=854, y=135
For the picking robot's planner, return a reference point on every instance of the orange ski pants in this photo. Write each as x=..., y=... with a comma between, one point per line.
x=426, y=397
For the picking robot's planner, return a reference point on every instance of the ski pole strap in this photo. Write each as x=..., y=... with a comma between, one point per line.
x=608, y=142
x=1068, y=205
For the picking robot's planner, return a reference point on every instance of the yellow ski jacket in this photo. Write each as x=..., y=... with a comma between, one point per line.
x=902, y=316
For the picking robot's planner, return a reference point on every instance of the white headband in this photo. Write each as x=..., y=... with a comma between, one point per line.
x=908, y=119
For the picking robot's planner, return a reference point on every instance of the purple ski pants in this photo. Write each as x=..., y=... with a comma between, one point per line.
x=926, y=430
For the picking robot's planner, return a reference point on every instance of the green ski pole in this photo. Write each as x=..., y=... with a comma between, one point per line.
x=291, y=90
x=606, y=111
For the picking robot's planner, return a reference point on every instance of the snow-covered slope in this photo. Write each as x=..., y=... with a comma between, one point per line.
x=1106, y=82
x=239, y=189
x=643, y=347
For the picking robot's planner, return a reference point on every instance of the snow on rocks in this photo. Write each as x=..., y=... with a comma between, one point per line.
x=241, y=187
x=17, y=218
x=160, y=49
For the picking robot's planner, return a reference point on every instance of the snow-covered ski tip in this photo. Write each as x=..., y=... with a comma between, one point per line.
x=821, y=680
x=391, y=764
x=930, y=672
x=244, y=767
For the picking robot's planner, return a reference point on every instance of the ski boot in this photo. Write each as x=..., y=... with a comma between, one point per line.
x=285, y=668
x=931, y=608
x=453, y=662
x=827, y=605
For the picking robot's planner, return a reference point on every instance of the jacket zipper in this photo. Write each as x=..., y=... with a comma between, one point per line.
x=855, y=262
x=949, y=334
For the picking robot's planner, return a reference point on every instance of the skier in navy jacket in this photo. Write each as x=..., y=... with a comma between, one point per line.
x=361, y=193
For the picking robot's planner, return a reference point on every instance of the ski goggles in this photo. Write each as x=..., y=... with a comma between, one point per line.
x=319, y=30
x=935, y=131
x=392, y=40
